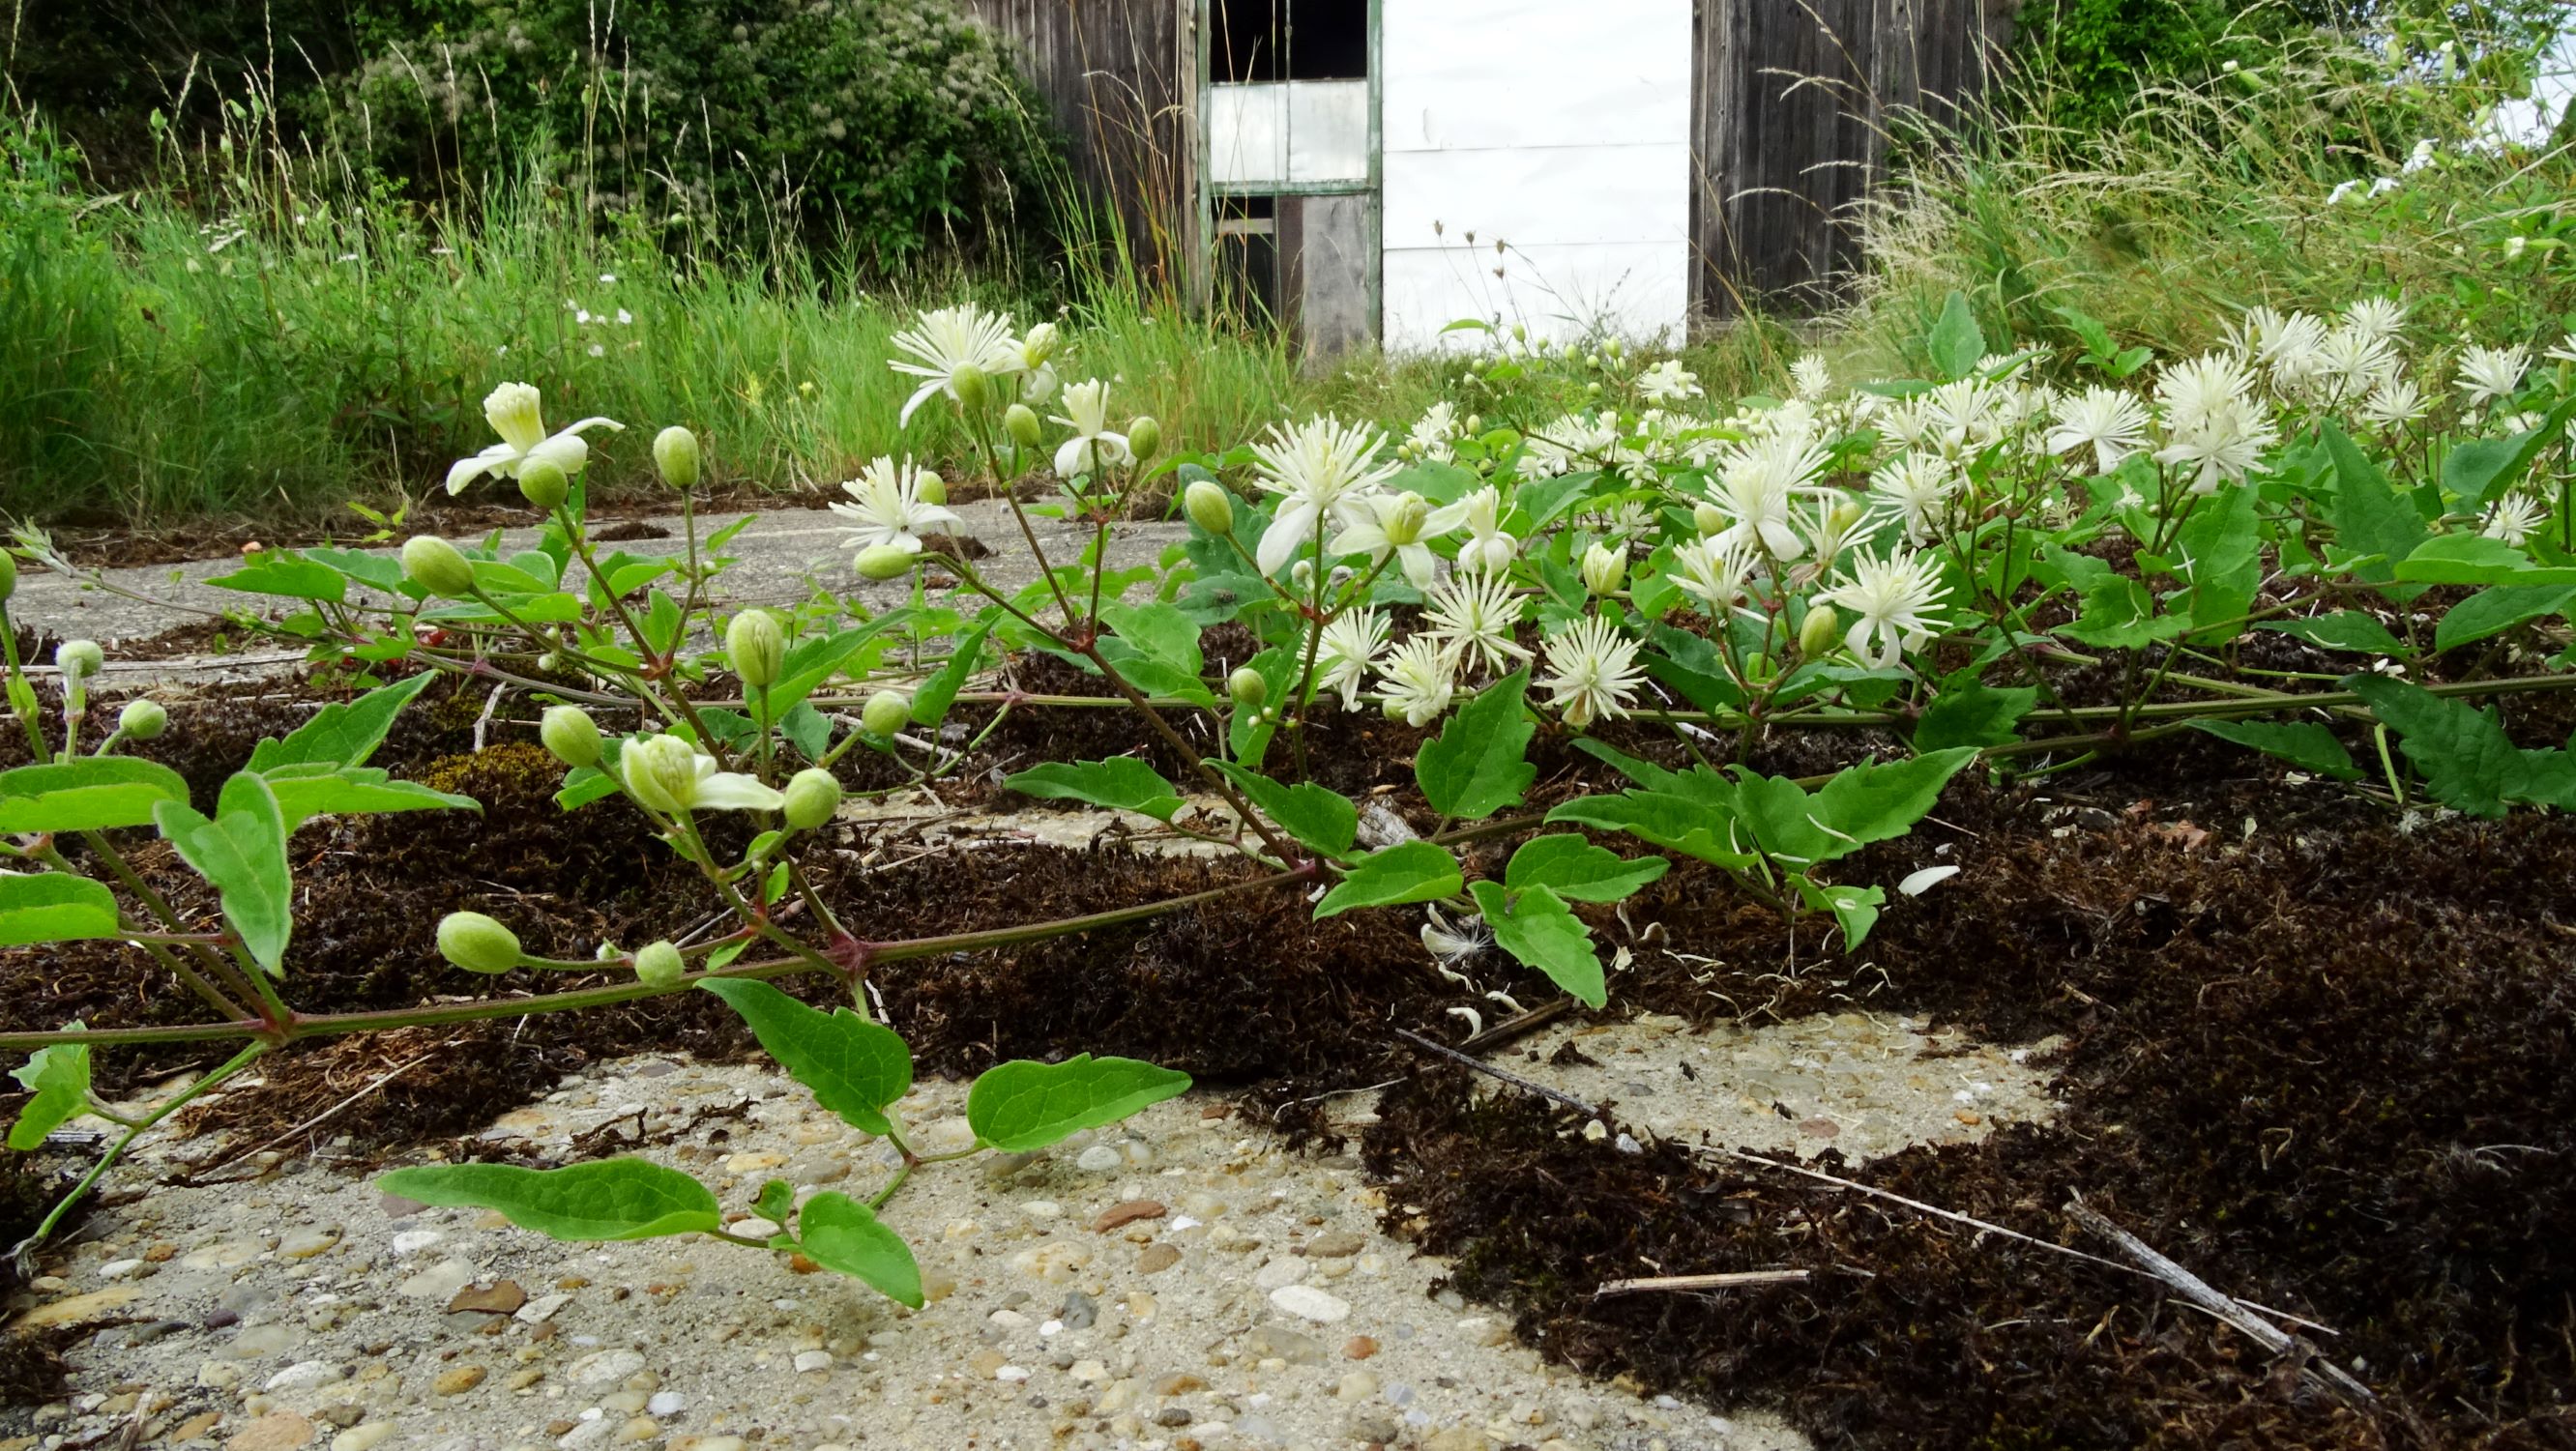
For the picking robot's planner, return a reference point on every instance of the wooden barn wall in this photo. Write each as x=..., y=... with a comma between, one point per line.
x=1791, y=114
x=1120, y=77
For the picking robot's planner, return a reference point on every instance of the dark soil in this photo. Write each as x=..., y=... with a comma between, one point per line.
x=2319, y=1056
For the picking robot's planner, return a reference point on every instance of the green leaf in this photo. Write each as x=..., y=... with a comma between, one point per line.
x=1478, y=764
x=2481, y=470
x=304, y=792
x=285, y=572
x=2347, y=630
x=609, y=1199
x=1577, y=870
x=1956, y=342
x=1968, y=712
x=1855, y=909
x=1667, y=819
x=2224, y=547
x=841, y=1234
x=854, y=1067
x=89, y=794
x=2469, y=764
x=930, y=703
x=1533, y=925
x=59, y=1077
x=242, y=853
x=54, y=907
x=1162, y=632
x=1325, y=821
x=1864, y=804
x=1021, y=1105
x=2304, y=744
x=376, y=571
x=2491, y=612
x=342, y=734
x=2369, y=517
x=1415, y=871
x=1122, y=782
x=2476, y=559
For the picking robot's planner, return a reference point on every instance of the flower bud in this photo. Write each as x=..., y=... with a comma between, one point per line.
x=1475, y=424
x=142, y=720
x=812, y=796
x=1411, y=512
x=970, y=386
x=929, y=487
x=1209, y=506
x=549, y=663
x=658, y=964
x=885, y=713
x=543, y=483
x=1709, y=519
x=437, y=566
x=661, y=771
x=1847, y=517
x=1039, y=345
x=8, y=574
x=477, y=943
x=756, y=646
x=1020, y=421
x=80, y=659
x=884, y=561
x=1817, y=632
x=675, y=453
x=1144, y=438
x=570, y=733
x=1249, y=687
x=1605, y=568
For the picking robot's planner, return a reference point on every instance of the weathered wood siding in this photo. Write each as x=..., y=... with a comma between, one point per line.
x=1792, y=112
x=1121, y=77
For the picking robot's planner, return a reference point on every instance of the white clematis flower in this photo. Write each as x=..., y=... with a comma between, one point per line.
x=1323, y=470
x=1592, y=671
x=1894, y=598
x=672, y=776
x=952, y=338
x=889, y=507
x=1092, y=447
x=1488, y=549
x=1403, y=525
x=513, y=413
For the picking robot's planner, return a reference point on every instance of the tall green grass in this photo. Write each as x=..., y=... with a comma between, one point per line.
x=2207, y=199
x=264, y=336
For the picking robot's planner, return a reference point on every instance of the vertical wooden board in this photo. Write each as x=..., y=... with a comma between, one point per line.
x=1334, y=275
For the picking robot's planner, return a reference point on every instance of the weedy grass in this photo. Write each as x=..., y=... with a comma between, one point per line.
x=2327, y=173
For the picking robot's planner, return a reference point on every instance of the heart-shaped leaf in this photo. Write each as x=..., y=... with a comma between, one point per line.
x=1022, y=1105
x=1534, y=926
x=1414, y=871
x=1479, y=762
x=89, y=794
x=242, y=853
x=610, y=1199
x=839, y=1233
x=854, y=1067
x=1577, y=870
x=54, y=907
x=59, y=1077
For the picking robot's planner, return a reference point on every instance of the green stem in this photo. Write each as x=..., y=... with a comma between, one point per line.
x=249, y=1054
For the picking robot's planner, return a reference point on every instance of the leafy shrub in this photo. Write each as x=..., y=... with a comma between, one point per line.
x=893, y=125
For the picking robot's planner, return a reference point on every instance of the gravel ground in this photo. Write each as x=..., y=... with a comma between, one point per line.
x=1177, y=1282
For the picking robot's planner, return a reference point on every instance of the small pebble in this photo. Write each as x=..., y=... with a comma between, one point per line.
x=1308, y=1303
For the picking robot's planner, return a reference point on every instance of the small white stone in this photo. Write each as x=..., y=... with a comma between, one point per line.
x=1281, y=1271
x=753, y=1228
x=1042, y=1209
x=606, y=1367
x=440, y=1281
x=366, y=1436
x=1308, y=1303
x=542, y=1309
x=1011, y=1373
x=813, y=1360
x=1100, y=1159
x=666, y=1403
x=413, y=1241
x=304, y=1375
x=120, y=1269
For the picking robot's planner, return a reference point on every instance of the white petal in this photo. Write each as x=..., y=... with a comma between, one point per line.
x=919, y=396
x=1073, y=457
x=1295, y=524
x=1917, y=883
x=466, y=470
x=608, y=423
x=733, y=791
x=565, y=451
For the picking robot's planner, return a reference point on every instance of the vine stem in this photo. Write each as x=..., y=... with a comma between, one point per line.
x=323, y=1025
x=249, y=1054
